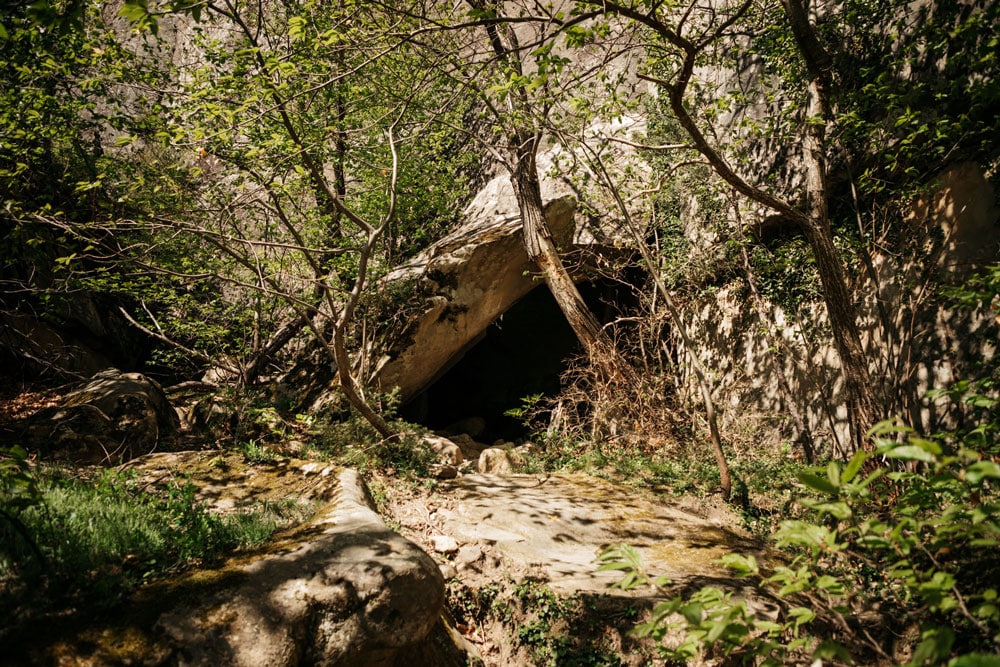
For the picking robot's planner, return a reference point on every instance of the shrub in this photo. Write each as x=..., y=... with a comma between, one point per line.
x=912, y=530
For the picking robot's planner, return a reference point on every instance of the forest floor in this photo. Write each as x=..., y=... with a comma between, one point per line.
x=520, y=553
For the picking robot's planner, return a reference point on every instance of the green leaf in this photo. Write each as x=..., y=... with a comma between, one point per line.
x=977, y=472
x=975, y=660
x=833, y=473
x=889, y=427
x=935, y=646
x=742, y=565
x=831, y=650
x=840, y=510
x=909, y=453
x=854, y=465
x=296, y=28
x=692, y=613
x=801, y=615
x=816, y=482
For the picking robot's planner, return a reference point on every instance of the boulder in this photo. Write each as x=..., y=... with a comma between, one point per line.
x=504, y=460
x=446, y=451
x=460, y=286
x=114, y=417
x=495, y=461
x=342, y=589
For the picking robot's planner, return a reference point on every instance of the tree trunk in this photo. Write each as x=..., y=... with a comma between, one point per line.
x=653, y=267
x=282, y=337
x=840, y=306
x=541, y=249
x=843, y=323
x=350, y=387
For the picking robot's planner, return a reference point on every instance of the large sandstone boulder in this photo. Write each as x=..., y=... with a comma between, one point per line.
x=114, y=417
x=342, y=589
x=468, y=280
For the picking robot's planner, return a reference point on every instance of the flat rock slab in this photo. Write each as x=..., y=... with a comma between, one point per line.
x=554, y=526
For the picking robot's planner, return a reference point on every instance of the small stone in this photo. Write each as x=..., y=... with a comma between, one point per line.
x=444, y=544
x=448, y=453
x=444, y=471
x=495, y=461
x=448, y=571
x=468, y=555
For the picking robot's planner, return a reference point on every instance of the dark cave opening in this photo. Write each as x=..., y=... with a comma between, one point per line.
x=522, y=353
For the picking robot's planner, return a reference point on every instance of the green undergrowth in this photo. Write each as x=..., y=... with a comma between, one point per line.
x=84, y=541
x=890, y=558
x=352, y=442
x=261, y=433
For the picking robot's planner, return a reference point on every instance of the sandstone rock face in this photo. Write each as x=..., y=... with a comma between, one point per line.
x=113, y=418
x=468, y=280
x=342, y=589
x=961, y=224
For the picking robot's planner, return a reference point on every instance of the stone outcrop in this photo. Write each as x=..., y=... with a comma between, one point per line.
x=79, y=336
x=114, y=417
x=770, y=362
x=342, y=589
x=469, y=279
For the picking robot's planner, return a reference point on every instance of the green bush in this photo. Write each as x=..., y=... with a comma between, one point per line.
x=911, y=530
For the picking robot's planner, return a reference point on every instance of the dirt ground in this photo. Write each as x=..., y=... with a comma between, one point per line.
x=520, y=555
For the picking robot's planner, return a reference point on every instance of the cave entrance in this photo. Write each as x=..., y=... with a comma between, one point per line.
x=523, y=353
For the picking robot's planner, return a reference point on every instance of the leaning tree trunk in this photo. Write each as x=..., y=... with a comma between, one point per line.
x=839, y=304
x=541, y=249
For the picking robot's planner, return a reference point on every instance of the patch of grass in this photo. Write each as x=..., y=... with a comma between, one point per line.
x=540, y=627
x=256, y=453
x=354, y=443
x=761, y=492
x=562, y=631
x=99, y=538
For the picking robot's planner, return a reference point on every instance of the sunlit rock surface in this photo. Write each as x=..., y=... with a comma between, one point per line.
x=552, y=527
x=465, y=282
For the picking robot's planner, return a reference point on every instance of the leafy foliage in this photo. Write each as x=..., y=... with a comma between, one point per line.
x=548, y=629
x=912, y=530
